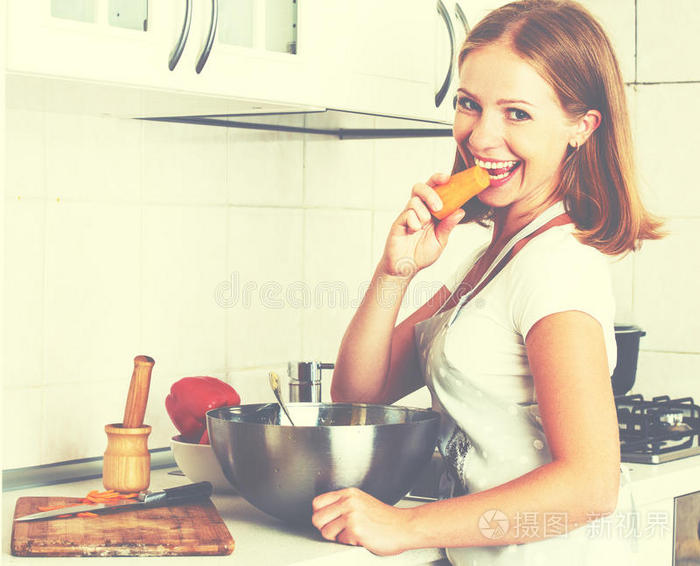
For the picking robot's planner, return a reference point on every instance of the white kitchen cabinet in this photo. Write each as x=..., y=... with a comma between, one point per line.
x=374, y=57
x=85, y=40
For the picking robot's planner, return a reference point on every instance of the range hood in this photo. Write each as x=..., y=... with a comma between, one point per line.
x=55, y=94
x=341, y=124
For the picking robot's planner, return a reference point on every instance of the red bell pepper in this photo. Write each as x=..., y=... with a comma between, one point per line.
x=189, y=400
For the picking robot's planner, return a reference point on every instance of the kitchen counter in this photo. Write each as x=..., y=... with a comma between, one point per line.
x=261, y=539
x=655, y=482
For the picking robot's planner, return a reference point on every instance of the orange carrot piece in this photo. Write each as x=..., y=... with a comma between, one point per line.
x=460, y=188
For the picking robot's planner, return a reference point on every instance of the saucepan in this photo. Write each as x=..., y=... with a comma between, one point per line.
x=627, y=337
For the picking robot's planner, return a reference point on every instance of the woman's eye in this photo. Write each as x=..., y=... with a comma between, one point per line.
x=517, y=114
x=465, y=104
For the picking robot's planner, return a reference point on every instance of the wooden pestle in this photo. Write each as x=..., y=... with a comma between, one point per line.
x=137, y=398
x=127, y=462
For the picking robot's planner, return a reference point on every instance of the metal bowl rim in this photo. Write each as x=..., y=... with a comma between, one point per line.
x=432, y=415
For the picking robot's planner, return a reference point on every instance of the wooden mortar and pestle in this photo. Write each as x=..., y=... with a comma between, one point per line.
x=127, y=462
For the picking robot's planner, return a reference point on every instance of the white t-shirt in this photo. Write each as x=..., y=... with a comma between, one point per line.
x=553, y=272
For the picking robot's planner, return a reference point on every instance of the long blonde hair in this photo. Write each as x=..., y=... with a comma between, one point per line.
x=570, y=50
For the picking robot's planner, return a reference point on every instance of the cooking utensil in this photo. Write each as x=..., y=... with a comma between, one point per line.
x=381, y=449
x=188, y=528
x=275, y=385
x=305, y=380
x=137, y=398
x=627, y=337
x=127, y=462
x=146, y=499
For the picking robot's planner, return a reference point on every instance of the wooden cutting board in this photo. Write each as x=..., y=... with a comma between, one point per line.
x=181, y=530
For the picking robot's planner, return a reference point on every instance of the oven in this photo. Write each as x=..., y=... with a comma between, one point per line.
x=686, y=530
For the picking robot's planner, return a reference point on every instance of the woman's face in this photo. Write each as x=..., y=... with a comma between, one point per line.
x=509, y=121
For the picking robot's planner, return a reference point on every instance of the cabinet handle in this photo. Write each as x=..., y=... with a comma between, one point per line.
x=184, y=32
x=213, y=24
x=461, y=16
x=440, y=94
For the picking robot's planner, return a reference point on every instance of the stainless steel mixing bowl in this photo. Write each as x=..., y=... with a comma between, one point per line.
x=280, y=468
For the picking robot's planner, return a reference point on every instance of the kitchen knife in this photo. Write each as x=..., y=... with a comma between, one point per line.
x=146, y=499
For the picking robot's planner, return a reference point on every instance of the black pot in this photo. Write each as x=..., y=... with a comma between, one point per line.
x=627, y=337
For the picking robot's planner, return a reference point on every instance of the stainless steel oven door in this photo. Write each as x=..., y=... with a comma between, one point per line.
x=686, y=530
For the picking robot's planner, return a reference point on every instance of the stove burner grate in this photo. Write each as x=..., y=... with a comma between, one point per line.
x=652, y=431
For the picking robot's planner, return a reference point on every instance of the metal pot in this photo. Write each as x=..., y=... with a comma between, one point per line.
x=627, y=337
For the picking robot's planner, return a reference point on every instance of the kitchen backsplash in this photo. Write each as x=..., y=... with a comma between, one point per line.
x=227, y=252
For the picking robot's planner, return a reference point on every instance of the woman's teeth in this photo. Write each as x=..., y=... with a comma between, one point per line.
x=497, y=169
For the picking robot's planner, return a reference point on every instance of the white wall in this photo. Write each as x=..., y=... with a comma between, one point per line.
x=194, y=245
x=120, y=235
x=657, y=288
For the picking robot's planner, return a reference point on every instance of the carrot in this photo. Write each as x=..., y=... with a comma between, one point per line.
x=460, y=188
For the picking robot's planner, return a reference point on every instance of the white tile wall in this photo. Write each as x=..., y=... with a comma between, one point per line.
x=266, y=168
x=345, y=180
x=183, y=251
x=26, y=172
x=617, y=18
x=337, y=269
x=668, y=135
x=93, y=290
x=185, y=164
x=667, y=373
x=261, y=286
x=74, y=416
x=21, y=445
x=92, y=158
x=665, y=301
x=119, y=235
x=25, y=229
x=668, y=41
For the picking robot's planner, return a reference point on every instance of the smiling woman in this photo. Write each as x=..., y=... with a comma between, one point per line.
x=518, y=350
x=571, y=79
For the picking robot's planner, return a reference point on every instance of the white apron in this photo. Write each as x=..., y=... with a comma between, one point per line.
x=499, y=441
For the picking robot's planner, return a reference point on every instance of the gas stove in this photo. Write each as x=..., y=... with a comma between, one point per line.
x=659, y=430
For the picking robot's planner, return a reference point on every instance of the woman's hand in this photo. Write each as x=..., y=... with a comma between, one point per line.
x=416, y=239
x=351, y=516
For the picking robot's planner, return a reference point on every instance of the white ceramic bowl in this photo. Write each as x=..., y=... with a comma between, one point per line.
x=198, y=462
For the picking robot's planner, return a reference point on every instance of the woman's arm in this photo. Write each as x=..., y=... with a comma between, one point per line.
x=568, y=360
x=376, y=362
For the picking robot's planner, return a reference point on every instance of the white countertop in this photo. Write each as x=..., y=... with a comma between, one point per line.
x=263, y=540
x=656, y=482
x=260, y=540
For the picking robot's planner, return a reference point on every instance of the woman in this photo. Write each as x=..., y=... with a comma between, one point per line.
x=518, y=353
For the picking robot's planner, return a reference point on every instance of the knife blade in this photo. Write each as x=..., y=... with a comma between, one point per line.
x=181, y=494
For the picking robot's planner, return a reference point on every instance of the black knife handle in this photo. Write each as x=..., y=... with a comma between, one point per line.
x=179, y=494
